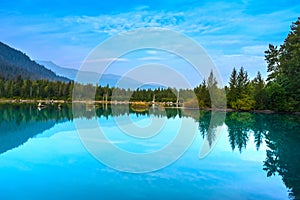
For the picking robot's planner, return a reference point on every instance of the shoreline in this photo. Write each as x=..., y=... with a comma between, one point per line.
x=47, y=101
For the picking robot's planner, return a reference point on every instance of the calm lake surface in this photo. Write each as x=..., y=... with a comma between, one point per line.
x=256, y=156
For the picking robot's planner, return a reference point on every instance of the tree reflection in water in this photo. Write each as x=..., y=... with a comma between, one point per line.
x=282, y=137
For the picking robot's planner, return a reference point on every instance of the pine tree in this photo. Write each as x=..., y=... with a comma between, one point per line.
x=242, y=82
x=259, y=94
x=239, y=92
x=232, y=91
x=284, y=71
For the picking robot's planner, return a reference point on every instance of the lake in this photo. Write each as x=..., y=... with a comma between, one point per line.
x=249, y=156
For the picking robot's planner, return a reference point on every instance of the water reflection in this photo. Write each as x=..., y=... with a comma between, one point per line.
x=18, y=123
x=208, y=129
x=280, y=133
x=283, y=155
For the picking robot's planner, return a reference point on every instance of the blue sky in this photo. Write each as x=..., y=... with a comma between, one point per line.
x=234, y=33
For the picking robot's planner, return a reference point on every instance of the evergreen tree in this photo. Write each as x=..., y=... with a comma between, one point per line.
x=271, y=57
x=1, y=87
x=232, y=94
x=284, y=72
x=242, y=82
x=239, y=92
x=259, y=93
x=211, y=81
x=202, y=95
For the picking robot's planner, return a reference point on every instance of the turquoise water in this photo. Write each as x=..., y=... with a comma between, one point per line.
x=256, y=156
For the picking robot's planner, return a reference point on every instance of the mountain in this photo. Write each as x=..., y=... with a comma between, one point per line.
x=61, y=71
x=110, y=79
x=14, y=63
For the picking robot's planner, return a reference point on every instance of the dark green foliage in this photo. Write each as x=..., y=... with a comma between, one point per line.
x=146, y=95
x=239, y=91
x=284, y=72
x=35, y=89
x=259, y=92
x=271, y=57
x=282, y=91
x=242, y=82
x=202, y=94
x=159, y=95
x=44, y=89
x=14, y=63
x=209, y=95
x=232, y=93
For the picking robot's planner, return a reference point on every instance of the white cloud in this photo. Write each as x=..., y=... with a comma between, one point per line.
x=255, y=50
x=151, y=52
x=151, y=58
x=112, y=24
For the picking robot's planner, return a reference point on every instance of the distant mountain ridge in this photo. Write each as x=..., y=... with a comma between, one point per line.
x=106, y=79
x=14, y=63
x=60, y=71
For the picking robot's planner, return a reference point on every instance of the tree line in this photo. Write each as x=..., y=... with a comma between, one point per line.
x=20, y=88
x=280, y=91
